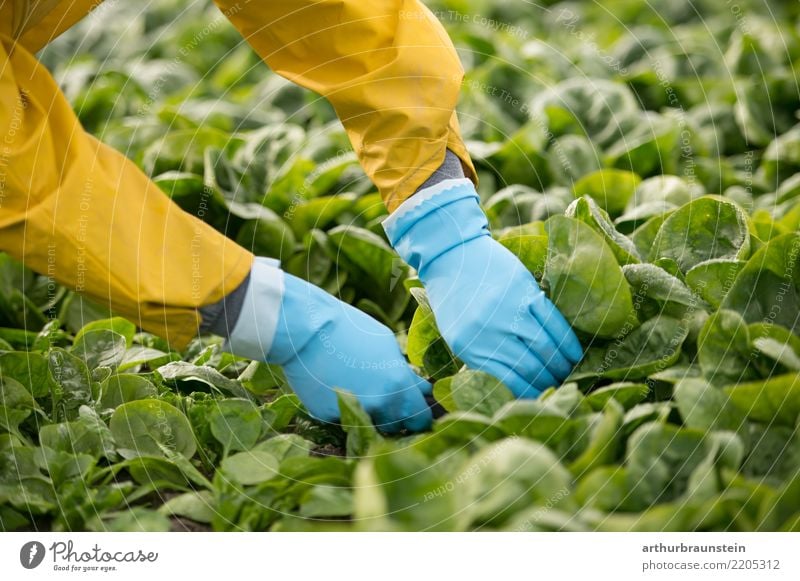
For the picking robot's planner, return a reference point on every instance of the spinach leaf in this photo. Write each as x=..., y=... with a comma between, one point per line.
x=585, y=281
x=705, y=229
x=768, y=287
x=473, y=391
x=151, y=427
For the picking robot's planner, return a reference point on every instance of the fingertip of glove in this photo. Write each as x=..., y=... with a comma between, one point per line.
x=419, y=421
x=573, y=348
x=425, y=387
x=415, y=411
x=529, y=392
x=552, y=319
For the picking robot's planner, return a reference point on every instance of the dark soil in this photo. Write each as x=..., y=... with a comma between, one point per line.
x=328, y=450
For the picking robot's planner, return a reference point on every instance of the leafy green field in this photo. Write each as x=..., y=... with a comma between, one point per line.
x=643, y=164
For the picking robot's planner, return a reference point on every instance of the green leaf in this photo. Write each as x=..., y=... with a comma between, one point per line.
x=361, y=433
x=235, y=423
x=644, y=413
x=156, y=471
x=586, y=210
x=88, y=434
x=604, y=440
x=327, y=501
x=30, y=369
x=140, y=355
x=137, y=519
x=538, y=421
x=286, y=446
x=531, y=251
x=768, y=287
x=782, y=353
x=197, y=506
x=261, y=378
x=521, y=158
x=439, y=361
x=285, y=408
x=571, y=157
x=650, y=146
x=14, y=395
x=11, y=418
x=377, y=269
x=651, y=348
x=705, y=229
x=267, y=236
x=712, y=279
x=705, y=407
x=610, y=188
x=100, y=348
x=72, y=379
x=16, y=404
x=669, y=191
x=253, y=467
x=17, y=338
x=151, y=427
x=472, y=391
x=600, y=109
x=117, y=324
x=724, y=451
x=509, y=475
x=510, y=207
x=773, y=452
x=425, y=346
x=122, y=388
x=661, y=459
x=319, y=212
x=11, y=520
x=182, y=150
x=776, y=335
x=566, y=399
x=401, y=489
x=644, y=236
x=648, y=281
x=778, y=508
x=774, y=400
x=585, y=281
x=723, y=349
x=606, y=488
x=180, y=371
x=626, y=393
x=460, y=428
x=315, y=263
x=65, y=466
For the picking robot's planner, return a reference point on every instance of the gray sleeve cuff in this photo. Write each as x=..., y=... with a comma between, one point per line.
x=450, y=169
x=220, y=317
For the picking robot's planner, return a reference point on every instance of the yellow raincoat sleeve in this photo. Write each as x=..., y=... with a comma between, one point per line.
x=387, y=67
x=82, y=213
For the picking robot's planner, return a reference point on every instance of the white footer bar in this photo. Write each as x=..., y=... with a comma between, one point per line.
x=399, y=556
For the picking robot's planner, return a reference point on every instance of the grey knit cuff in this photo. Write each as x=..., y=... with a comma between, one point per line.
x=220, y=317
x=450, y=169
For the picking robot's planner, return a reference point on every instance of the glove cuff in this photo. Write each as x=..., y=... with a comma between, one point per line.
x=254, y=332
x=436, y=220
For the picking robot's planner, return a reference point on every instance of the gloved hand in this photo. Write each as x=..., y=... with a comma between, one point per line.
x=487, y=305
x=322, y=344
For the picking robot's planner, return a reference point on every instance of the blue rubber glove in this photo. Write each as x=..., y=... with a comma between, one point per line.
x=487, y=305
x=322, y=344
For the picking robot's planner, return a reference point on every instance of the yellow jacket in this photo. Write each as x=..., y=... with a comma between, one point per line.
x=77, y=210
